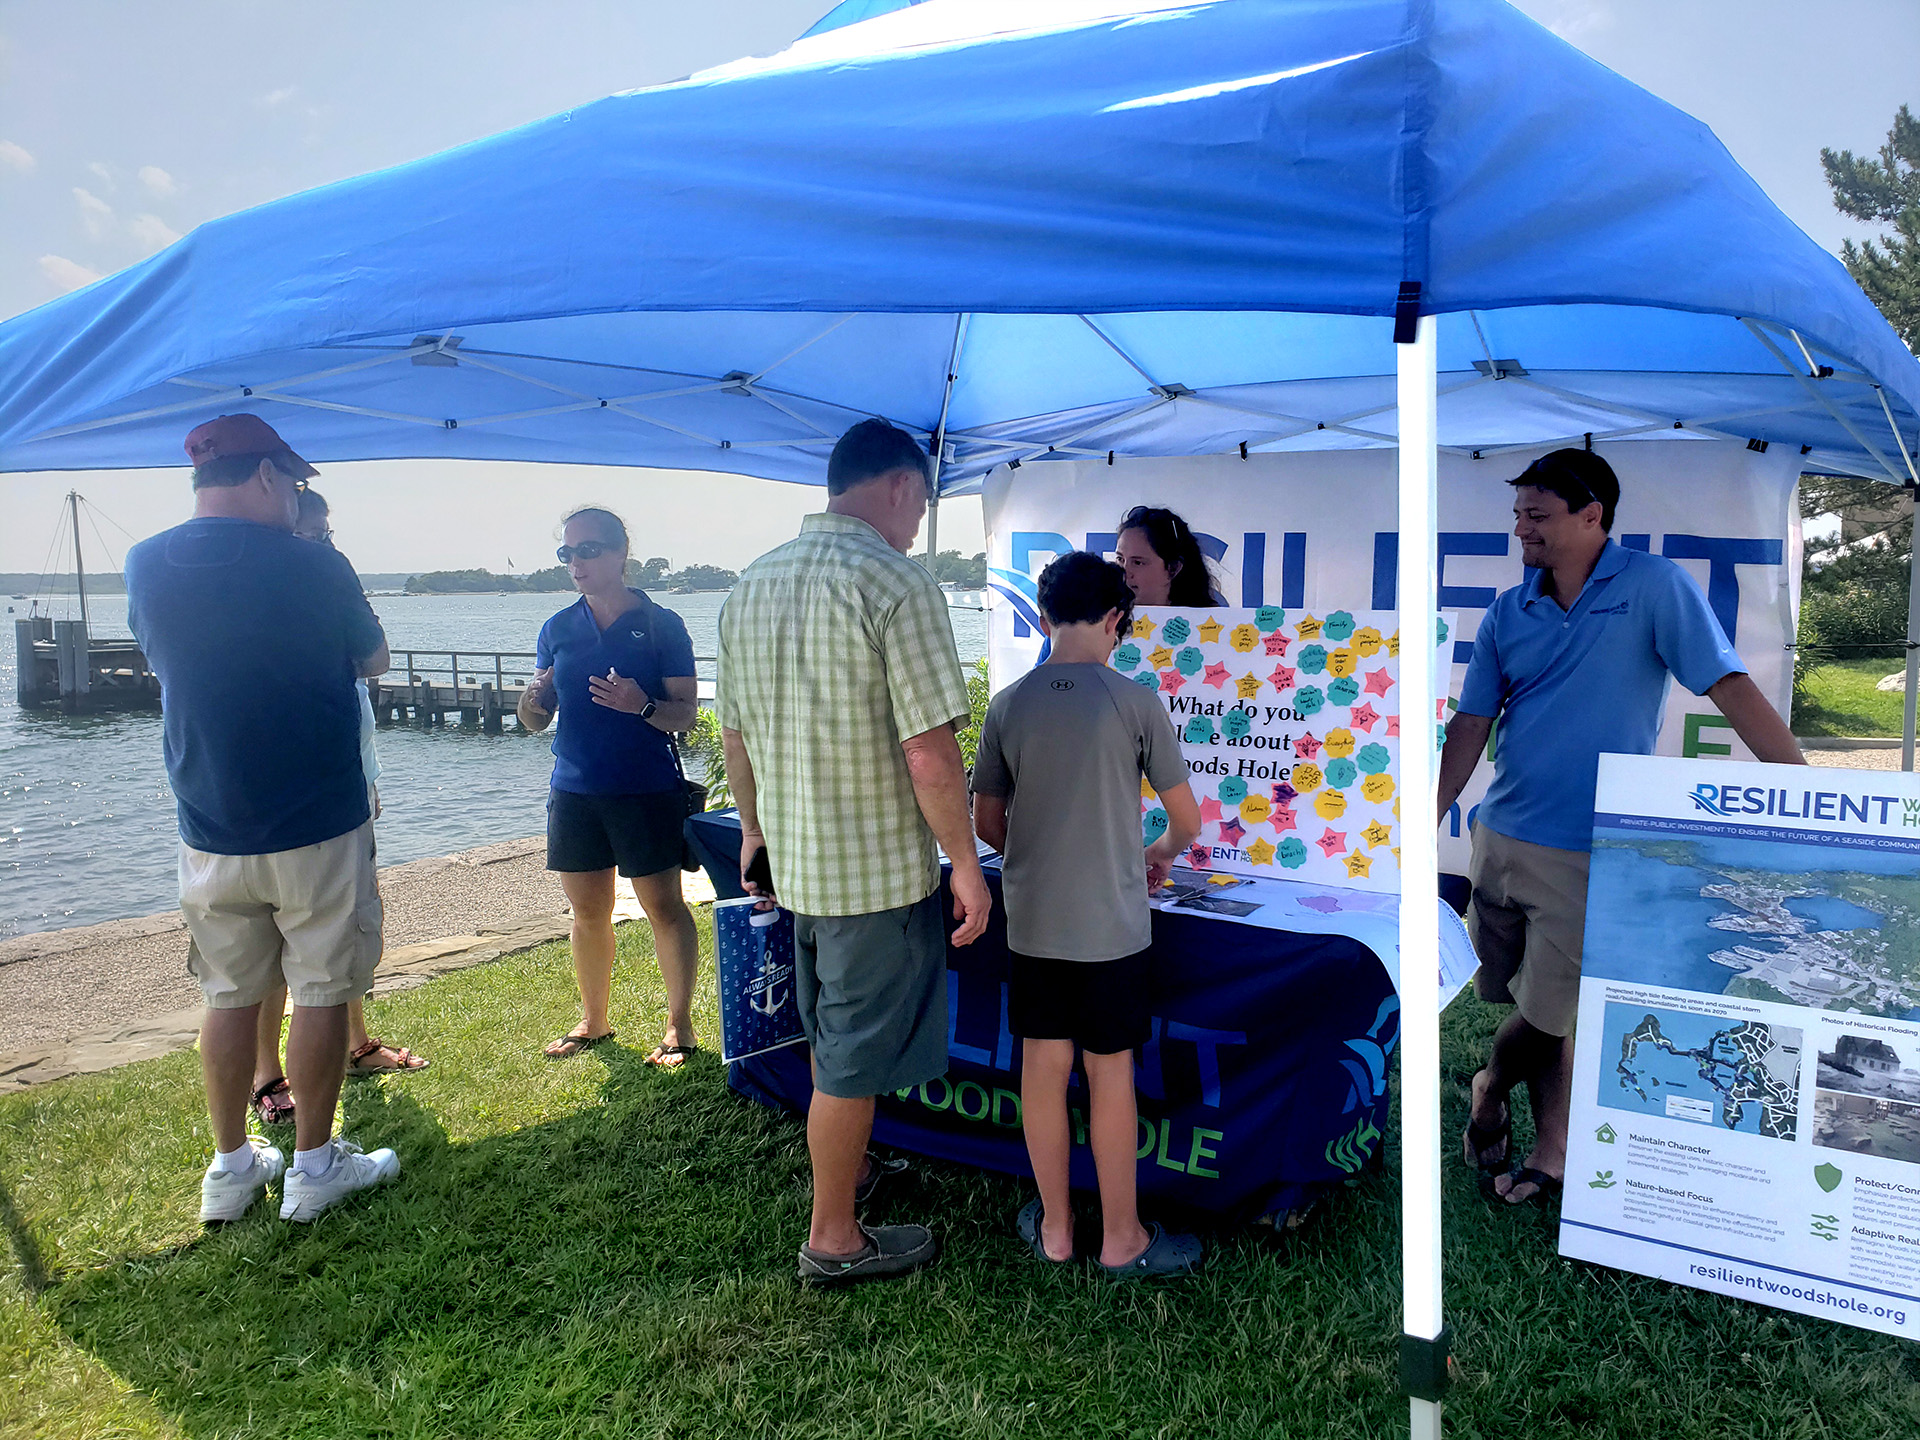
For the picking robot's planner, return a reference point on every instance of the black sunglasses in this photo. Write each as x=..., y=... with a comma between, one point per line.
x=585, y=550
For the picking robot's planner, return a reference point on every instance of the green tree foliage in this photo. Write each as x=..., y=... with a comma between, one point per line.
x=705, y=758
x=950, y=567
x=977, y=697
x=1885, y=190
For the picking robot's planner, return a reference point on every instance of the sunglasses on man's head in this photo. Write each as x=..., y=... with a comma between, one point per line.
x=585, y=550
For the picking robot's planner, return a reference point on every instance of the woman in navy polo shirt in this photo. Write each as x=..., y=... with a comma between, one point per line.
x=621, y=669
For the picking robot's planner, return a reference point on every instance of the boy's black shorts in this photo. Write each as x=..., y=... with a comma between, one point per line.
x=1103, y=1006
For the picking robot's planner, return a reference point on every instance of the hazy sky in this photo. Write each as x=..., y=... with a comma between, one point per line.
x=124, y=124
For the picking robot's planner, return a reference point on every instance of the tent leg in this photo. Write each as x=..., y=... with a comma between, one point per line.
x=1913, y=661
x=1420, y=687
x=933, y=528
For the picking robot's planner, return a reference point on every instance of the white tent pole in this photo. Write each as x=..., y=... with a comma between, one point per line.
x=1913, y=659
x=939, y=440
x=1419, y=878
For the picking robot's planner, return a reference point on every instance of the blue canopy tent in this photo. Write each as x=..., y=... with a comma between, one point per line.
x=1025, y=228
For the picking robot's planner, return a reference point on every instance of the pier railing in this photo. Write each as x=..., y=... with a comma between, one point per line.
x=482, y=687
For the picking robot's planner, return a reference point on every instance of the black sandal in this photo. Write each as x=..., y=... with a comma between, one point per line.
x=670, y=1057
x=1545, y=1187
x=568, y=1046
x=1481, y=1138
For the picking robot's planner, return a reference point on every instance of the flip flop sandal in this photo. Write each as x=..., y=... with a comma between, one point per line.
x=357, y=1068
x=1165, y=1255
x=1546, y=1187
x=1027, y=1222
x=661, y=1054
x=1481, y=1138
x=568, y=1046
x=273, y=1102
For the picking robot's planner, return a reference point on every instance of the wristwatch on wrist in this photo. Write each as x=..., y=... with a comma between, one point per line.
x=646, y=710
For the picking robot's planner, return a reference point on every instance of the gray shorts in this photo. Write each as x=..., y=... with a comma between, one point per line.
x=872, y=991
x=1527, y=922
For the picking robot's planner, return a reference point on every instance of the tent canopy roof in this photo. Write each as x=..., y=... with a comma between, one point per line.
x=1135, y=226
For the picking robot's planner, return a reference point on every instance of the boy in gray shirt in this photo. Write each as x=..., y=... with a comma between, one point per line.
x=1056, y=787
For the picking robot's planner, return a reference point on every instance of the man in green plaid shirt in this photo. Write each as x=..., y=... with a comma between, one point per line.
x=838, y=699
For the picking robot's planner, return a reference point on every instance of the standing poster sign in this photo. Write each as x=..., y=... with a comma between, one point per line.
x=1746, y=1093
x=1290, y=721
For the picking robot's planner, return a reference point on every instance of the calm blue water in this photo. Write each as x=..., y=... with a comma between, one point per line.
x=87, y=828
x=1647, y=921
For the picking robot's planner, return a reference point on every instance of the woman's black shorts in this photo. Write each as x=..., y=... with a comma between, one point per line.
x=640, y=834
x=1103, y=1006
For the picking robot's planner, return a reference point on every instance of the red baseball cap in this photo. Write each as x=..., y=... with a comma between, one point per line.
x=242, y=435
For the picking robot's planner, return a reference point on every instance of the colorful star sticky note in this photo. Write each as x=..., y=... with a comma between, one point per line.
x=1217, y=676
x=1440, y=708
x=1332, y=843
x=1307, y=746
x=1232, y=832
x=1378, y=789
x=1393, y=725
x=1209, y=810
x=1377, y=834
x=1146, y=790
x=1277, y=643
x=1247, y=686
x=1200, y=858
x=1379, y=681
x=1308, y=628
x=1283, y=793
x=1244, y=637
x=1358, y=865
x=1160, y=657
x=1208, y=630
x=1255, y=808
x=1171, y=681
x=1339, y=742
x=1282, y=818
x=1260, y=853
x=1330, y=804
x=1142, y=628
x=1364, y=716
x=1282, y=677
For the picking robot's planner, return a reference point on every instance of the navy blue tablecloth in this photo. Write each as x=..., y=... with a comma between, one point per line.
x=1264, y=1083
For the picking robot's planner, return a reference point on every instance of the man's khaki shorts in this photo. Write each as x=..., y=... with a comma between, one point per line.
x=310, y=915
x=1527, y=921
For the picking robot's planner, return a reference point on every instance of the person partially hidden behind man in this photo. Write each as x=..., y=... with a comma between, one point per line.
x=839, y=693
x=1574, y=663
x=258, y=638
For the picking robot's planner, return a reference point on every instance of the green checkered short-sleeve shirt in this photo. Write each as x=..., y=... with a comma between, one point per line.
x=833, y=649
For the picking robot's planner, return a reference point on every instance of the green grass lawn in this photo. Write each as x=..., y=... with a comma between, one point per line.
x=596, y=1248
x=1840, y=700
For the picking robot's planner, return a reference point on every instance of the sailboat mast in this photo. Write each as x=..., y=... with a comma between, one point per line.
x=79, y=570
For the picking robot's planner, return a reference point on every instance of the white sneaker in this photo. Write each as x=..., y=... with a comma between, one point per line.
x=228, y=1194
x=353, y=1169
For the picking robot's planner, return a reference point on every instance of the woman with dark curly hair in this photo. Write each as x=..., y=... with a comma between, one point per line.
x=1162, y=558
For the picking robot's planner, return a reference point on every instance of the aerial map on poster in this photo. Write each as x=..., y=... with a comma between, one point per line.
x=1746, y=1101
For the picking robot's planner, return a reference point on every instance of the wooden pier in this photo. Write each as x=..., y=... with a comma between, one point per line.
x=58, y=664
x=424, y=687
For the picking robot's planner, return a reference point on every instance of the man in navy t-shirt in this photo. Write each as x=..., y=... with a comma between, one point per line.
x=1574, y=663
x=258, y=638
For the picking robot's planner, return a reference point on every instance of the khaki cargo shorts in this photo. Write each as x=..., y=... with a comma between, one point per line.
x=1527, y=921
x=310, y=916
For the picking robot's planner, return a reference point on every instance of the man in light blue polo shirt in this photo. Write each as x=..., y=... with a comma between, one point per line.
x=1574, y=662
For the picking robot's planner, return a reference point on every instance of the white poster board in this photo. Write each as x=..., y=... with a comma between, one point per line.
x=1290, y=722
x=1746, y=1089
x=1318, y=530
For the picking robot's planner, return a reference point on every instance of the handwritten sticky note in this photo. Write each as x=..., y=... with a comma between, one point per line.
x=1343, y=692
x=1176, y=630
x=1216, y=676
x=1367, y=641
x=1283, y=818
x=1146, y=790
x=1243, y=638
x=1189, y=661
x=1126, y=656
x=1307, y=746
x=1364, y=716
x=1142, y=628
x=1342, y=662
x=1440, y=632
x=1171, y=681
x=1339, y=626
x=1152, y=826
x=1283, y=793
x=1393, y=726
x=1269, y=617
x=1209, y=631
x=1378, y=789
x=1260, y=853
x=1341, y=773
x=1282, y=677
x=1339, y=742
x=1332, y=843
x=1330, y=804
x=1308, y=700
x=1277, y=643
x=1236, y=722
x=1232, y=790
x=1146, y=678
x=1161, y=657
x=1247, y=686
x=1313, y=659
x=1210, y=810
x=1232, y=832
x=1308, y=628
x=1393, y=644
x=1378, y=682
x=1358, y=864
x=1199, y=730
x=1373, y=758
x=1291, y=852
x=1306, y=779
x=1377, y=834
x=1255, y=808
x=1200, y=858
